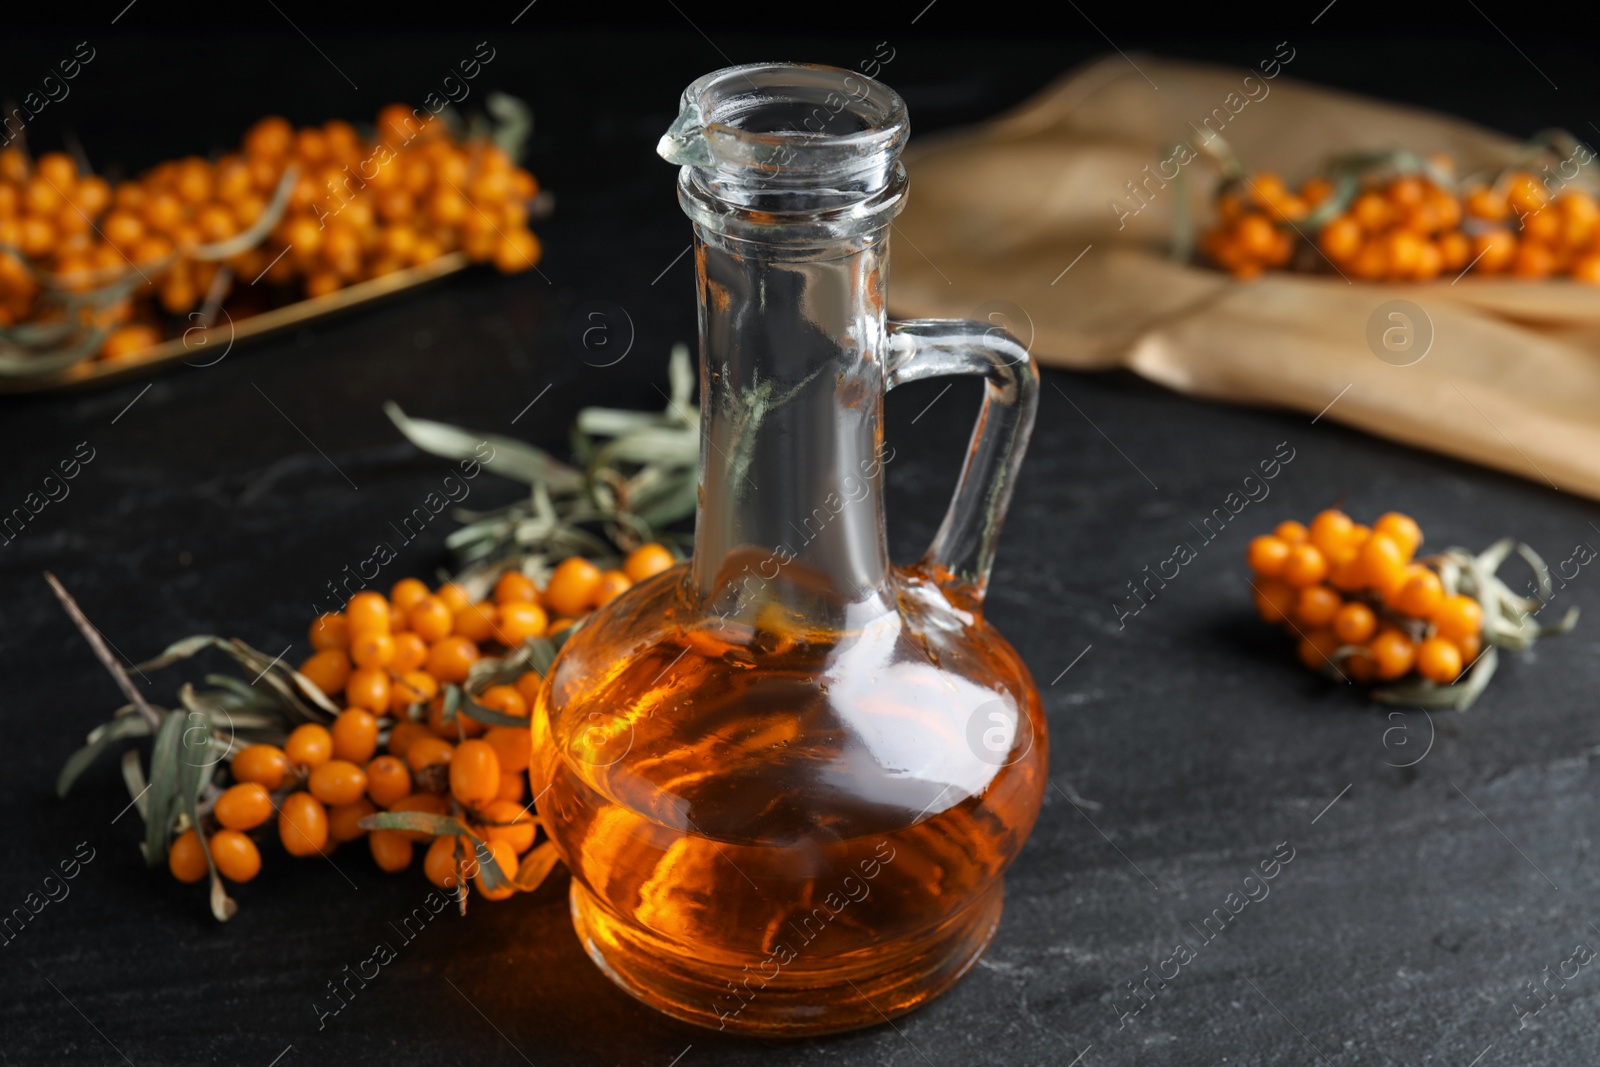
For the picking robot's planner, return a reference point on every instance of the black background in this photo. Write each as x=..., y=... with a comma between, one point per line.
x=1417, y=906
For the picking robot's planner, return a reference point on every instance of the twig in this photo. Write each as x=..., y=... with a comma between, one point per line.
x=97, y=643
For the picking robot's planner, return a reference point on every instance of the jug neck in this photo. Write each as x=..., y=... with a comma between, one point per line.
x=791, y=174
x=792, y=453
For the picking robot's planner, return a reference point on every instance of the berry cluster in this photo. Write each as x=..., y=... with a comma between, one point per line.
x=356, y=208
x=1361, y=606
x=1406, y=227
x=402, y=745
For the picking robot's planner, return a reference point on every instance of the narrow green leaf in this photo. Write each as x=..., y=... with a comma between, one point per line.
x=99, y=741
x=247, y=694
x=506, y=456
x=182, y=650
x=488, y=867
x=163, y=786
x=541, y=653
x=133, y=778
x=488, y=716
x=424, y=822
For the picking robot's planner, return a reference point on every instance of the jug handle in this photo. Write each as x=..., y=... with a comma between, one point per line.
x=962, y=551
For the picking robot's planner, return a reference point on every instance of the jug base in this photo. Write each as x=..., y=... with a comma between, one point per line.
x=874, y=986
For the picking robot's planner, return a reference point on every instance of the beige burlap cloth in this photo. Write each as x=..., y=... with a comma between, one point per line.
x=1014, y=220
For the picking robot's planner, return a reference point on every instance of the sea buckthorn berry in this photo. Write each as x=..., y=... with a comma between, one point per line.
x=457, y=727
x=398, y=620
x=528, y=685
x=243, y=807
x=355, y=735
x=612, y=586
x=235, y=855
x=515, y=586
x=505, y=699
x=1330, y=531
x=1275, y=600
x=408, y=593
x=519, y=834
x=1586, y=269
x=264, y=764
x=451, y=658
x=391, y=850
x=1438, y=660
x=1492, y=251
x=427, y=751
x=186, y=859
x=512, y=786
x=1420, y=594
x=344, y=821
x=441, y=864
x=505, y=857
x=1316, y=649
x=1469, y=646
x=370, y=649
x=474, y=772
x=1347, y=577
x=1340, y=240
x=572, y=586
x=1371, y=211
x=1317, y=606
x=1359, y=666
x=475, y=622
x=1455, y=250
x=1304, y=566
x=511, y=744
x=337, y=782
x=1359, y=534
x=388, y=780
x=431, y=619
x=1458, y=616
x=328, y=670
x=520, y=620
x=302, y=825
x=1402, y=528
x=430, y=803
x=647, y=561
x=1482, y=202
x=1254, y=234
x=454, y=596
x=1533, y=260
x=1393, y=652
x=410, y=652
x=1354, y=623
x=309, y=745
x=410, y=689
x=368, y=688
x=330, y=631
x=1383, y=563
x=404, y=735
x=367, y=610
x=1267, y=555
x=1291, y=532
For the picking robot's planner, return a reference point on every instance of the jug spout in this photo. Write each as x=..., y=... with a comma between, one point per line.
x=685, y=142
x=789, y=137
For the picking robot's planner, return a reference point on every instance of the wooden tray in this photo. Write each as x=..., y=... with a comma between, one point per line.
x=202, y=347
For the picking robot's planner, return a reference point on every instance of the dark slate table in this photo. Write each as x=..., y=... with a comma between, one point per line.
x=1439, y=866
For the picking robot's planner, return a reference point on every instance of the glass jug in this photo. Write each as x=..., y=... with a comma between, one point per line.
x=787, y=776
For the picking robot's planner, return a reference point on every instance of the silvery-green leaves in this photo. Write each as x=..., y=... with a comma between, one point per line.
x=1508, y=621
x=638, y=473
